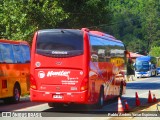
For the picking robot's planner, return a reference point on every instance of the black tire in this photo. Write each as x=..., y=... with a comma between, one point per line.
x=7, y=100
x=100, y=102
x=151, y=74
x=121, y=90
x=51, y=104
x=55, y=105
x=155, y=74
x=16, y=94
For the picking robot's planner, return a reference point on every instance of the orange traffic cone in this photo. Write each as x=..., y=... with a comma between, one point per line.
x=126, y=105
x=137, y=100
x=149, y=97
x=120, y=106
x=154, y=98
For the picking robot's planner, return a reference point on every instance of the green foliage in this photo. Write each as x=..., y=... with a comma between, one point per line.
x=135, y=22
x=85, y=13
x=139, y=22
x=155, y=51
x=20, y=19
x=150, y=22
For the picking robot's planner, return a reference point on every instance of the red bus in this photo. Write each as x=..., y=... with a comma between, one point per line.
x=76, y=66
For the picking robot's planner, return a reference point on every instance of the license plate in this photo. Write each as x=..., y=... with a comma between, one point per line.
x=57, y=96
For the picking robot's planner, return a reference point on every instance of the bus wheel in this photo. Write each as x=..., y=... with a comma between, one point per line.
x=16, y=94
x=7, y=100
x=100, y=102
x=55, y=105
x=121, y=89
x=51, y=104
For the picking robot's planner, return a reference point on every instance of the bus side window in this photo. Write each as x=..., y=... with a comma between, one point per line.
x=25, y=53
x=1, y=60
x=18, y=54
x=7, y=54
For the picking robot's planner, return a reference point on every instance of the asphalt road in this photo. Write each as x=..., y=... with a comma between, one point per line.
x=141, y=86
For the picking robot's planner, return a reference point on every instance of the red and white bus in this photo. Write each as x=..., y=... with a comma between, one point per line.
x=76, y=66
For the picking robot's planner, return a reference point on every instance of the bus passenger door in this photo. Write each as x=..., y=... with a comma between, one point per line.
x=25, y=78
x=93, y=76
x=26, y=66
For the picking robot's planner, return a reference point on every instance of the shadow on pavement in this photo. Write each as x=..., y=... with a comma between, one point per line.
x=24, y=103
x=143, y=86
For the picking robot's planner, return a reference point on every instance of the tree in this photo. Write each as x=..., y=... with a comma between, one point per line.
x=155, y=51
x=20, y=19
x=136, y=20
x=149, y=18
x=85, y=13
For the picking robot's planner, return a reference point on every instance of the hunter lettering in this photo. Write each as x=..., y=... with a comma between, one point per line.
x=60, y=73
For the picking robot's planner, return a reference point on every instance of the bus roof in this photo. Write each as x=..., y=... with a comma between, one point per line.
x=55, y=30
x=13, y=42
x=101, y=34
x=144, y=58
x=95, y=33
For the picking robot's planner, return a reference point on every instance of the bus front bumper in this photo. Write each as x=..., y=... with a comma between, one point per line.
x=63, y=97
x=142, y=74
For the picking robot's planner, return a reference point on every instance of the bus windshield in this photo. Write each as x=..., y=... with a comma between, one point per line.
x=60, y=43
x=142, y=66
